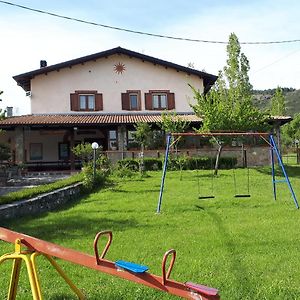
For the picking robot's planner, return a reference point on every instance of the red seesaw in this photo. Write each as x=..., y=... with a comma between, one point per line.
x=123, y=269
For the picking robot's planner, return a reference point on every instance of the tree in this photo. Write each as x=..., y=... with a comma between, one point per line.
x=2, y=112
x=171, y=122
x=291, y=131
x=228, y=105
x=278, y=103
x=142, y=135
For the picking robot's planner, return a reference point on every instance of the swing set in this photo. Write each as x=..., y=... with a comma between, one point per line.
x=266, y=137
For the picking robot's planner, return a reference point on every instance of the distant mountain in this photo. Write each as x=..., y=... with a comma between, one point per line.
x=262, y=99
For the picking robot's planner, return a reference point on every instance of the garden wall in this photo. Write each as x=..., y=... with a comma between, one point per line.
x=42, y=203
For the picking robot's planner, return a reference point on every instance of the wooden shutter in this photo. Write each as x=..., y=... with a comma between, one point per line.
x=98, y=102
x=148, y=101
x=139, y=101
x=74, y=102
x=171, y=100
x=125, y=101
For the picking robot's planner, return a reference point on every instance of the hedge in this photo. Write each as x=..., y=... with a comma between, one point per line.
x=178, y=163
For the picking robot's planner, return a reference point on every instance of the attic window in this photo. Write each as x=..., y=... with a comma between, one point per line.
x=86, y=101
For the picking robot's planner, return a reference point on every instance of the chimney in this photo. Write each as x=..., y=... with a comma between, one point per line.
x=9, y=111
x=43, y=63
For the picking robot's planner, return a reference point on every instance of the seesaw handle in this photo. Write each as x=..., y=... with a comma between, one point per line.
x=166, y=275
x=98, y=235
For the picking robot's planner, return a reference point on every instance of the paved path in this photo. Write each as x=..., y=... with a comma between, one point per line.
x=19, y=183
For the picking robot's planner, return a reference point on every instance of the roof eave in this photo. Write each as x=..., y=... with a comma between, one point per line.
x=24, y=79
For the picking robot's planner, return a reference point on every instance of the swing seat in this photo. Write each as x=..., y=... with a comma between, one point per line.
x=208, y=291
x=242, y=196
x=132, y=267
x=206, y=197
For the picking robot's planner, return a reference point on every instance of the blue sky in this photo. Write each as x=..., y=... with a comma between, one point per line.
x=28, y=37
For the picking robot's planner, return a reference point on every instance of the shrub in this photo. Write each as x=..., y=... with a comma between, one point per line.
x=96, y=179
x=174, y=163
x=152, y=164
x=91, y=180
x=128, y=163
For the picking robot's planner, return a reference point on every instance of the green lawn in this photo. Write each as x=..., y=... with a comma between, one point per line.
x=249, y=248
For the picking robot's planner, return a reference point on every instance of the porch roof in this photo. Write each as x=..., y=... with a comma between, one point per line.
x=88, y=119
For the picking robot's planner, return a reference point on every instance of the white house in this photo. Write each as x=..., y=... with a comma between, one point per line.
x=99, y=98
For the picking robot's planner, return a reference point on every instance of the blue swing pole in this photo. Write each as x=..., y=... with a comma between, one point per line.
x=164, y=173
x=273, y=171
x=287, y=180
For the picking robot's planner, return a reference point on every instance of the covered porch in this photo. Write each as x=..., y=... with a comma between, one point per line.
x=44, y=142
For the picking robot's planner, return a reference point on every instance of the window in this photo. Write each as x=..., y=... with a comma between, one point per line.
x=112, y=140
x=63, y=151
x=36, y=151
x=131, y=100
x=86, y=101
x=159, y=100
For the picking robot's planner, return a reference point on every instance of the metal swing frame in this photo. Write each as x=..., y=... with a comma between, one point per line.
x=267, y=137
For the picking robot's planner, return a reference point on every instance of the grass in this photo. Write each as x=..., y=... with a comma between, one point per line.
x=27, y=193
x=246, y=247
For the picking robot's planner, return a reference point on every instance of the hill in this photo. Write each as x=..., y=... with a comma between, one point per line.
x=262, y=99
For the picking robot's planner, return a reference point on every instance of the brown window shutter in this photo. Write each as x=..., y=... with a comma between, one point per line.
x=139, y=101
x=171, y=100
x=74, y=102
x=125, y=101
x=148, y=101
x=98, y=102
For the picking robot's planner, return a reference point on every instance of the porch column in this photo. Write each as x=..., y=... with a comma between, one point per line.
x=19, y=145
x=72, y=157
x=122, y=138
x=278, y=136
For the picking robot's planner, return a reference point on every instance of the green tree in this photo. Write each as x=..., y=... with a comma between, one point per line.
x=2, y=112
x=291, y=131
x=142, y=136
x=171, y=123
x=278, y=103
x=228, y=105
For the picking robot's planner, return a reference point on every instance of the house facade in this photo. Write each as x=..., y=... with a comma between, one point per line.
x=97, y=98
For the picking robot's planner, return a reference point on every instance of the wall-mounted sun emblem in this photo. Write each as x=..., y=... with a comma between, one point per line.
x=119, y=68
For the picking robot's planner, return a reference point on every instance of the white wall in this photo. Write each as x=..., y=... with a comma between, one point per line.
x=51, y=92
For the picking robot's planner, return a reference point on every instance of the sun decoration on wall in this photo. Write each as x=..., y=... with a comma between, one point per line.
x=119, y=68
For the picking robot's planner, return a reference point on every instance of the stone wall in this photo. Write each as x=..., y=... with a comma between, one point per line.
x=42, y=203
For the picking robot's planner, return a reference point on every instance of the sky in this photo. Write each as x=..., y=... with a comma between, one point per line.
x=27, y=37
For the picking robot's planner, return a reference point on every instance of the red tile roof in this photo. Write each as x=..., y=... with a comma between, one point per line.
x=88, y=119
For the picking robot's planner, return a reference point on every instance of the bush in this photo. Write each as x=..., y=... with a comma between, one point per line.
x=152, y=164
x=102, y=171
x=175, y=163
x=128, y=163
x=90, y=181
